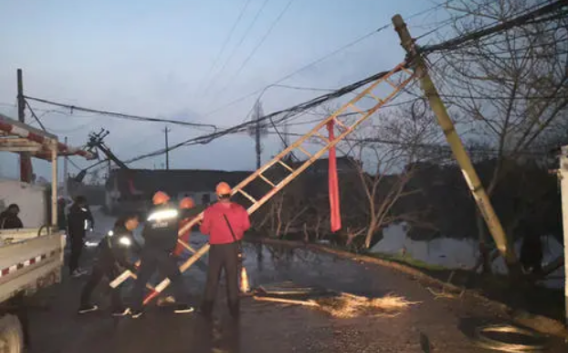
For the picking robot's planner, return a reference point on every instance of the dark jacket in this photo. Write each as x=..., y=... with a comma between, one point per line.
x=117, y=247
x=161, y=228
x=10, y=221
x=77, y=220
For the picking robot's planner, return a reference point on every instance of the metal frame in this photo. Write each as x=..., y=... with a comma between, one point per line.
x=293, y=173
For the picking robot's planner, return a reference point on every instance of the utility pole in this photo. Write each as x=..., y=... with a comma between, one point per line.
x=456, y=145
x=65, y=173
x=564, y=191
x=166, y=131
x=25, y=161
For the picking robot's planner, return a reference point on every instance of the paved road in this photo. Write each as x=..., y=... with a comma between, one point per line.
x=443, y=324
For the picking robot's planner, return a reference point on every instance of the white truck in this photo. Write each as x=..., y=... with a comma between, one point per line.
x=31, y=257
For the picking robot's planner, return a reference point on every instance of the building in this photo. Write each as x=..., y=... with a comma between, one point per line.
x=132, y=189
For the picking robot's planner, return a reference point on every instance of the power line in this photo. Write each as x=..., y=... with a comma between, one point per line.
x=259, y=44
x=285, y=113
x=229, y=36
x=118, y=115
x=324, y=57
x=506, y=25
x=214, y=78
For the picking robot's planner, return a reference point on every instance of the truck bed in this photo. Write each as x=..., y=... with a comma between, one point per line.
x=29, y=262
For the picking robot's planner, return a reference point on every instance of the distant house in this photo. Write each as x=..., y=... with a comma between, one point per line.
x=133, y=189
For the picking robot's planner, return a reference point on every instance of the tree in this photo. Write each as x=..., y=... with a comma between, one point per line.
x=385, y=156
x=511, y=88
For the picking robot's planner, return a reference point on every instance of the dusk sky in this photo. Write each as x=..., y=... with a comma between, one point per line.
x=156, y=59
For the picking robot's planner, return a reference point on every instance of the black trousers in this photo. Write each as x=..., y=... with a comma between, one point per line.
x=223, y=257
x=100, y=271
x=150, y=260
x=76, y=250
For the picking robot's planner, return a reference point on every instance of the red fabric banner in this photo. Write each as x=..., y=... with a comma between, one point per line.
x=333, y=184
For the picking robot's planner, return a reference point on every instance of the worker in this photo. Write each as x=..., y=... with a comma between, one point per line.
x=225, y=222
x=61, y=216
x=9, y=218
x=111, y=259
x=79, y=221
x=160, y=235
x=186, y=205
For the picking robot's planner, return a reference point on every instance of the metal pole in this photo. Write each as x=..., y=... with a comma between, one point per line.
x=65, y=173
x=564, y=191
x=54, y=184
x=25, y=162
x=166, y=130
x=457, y=147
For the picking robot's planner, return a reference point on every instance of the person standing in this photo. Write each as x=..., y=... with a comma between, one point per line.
x=225, y=222
x=160, y=235
x=186, y=206
x=9, y=219
x=79, y=221
x=112, y=258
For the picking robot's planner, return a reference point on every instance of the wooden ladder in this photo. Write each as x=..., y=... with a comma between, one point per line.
x=344, y=128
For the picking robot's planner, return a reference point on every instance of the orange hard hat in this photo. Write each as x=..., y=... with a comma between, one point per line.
x=186, y=203
x=160, y=197
x=223, y=188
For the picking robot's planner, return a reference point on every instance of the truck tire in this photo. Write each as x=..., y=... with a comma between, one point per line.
x=11, y=336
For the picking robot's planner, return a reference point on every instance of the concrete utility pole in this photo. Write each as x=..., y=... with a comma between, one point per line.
x=166, y=131
x=25, y=161
x=564, y=190
x=460, y=154
x=65, y=173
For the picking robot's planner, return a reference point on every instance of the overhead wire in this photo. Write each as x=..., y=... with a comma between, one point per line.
x=227, y=39
x=324, y=57
x=243, y=37
x=258, y=45
x=118, y=115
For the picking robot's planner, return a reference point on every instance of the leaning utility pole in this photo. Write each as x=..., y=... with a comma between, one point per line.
x=460, y=154
x=563, y=174
x=166, y=130
x=25, y=161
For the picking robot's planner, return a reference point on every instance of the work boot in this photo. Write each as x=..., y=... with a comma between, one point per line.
x=235, y=309
x=120, y=312
x=136, y=313
x=183, y=309
x=206, y=308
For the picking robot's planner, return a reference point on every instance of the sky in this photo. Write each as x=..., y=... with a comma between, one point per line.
x=157, y=59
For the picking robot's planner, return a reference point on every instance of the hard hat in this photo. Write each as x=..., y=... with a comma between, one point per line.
x=186, y=203
x=223, y=188
x=160, y=197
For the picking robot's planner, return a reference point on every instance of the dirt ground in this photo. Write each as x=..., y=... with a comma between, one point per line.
x=434, y=325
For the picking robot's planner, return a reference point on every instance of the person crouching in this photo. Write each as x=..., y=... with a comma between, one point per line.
x=111, y=259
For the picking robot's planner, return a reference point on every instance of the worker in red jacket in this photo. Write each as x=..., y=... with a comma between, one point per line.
x=225, y=222
x=185, y=205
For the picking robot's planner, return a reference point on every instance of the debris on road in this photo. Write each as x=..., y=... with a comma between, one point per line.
x=337, y=304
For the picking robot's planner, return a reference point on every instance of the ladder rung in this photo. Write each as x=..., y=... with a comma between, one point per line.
x=266, y=180
x=322, y=137
x=341, y=124
x=390, y=83
x=305, y=152
x=356, y=109
x=252, y=199
x=286, y=166
x=375, y=97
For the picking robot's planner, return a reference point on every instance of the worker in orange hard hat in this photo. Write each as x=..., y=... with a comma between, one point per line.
x=186, y=205
x=225, y=222
x=160, y=239
x=160, y=198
